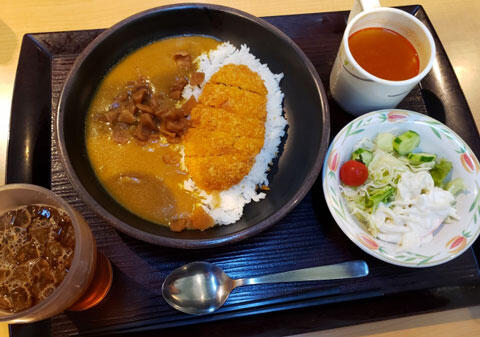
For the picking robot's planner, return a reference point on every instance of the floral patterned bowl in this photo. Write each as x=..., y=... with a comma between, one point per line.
x=451, y=239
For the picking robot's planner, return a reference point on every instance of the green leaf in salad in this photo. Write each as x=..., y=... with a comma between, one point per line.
x=440, y=171
x=455, y=186
x=384, y=141
x=376, y=196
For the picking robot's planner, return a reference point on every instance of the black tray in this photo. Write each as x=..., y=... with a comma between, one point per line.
x=308, y=236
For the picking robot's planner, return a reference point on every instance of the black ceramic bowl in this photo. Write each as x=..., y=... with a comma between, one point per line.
x=305, y=107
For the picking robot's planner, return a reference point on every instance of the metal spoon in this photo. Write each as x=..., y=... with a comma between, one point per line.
x=200, y=288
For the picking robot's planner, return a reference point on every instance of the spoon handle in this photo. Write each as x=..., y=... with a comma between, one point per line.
x=343, y=270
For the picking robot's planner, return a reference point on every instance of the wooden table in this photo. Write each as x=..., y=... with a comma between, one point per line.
x=456, y=22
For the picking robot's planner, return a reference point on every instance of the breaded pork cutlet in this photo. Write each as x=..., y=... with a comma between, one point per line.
x=227, y=128
x=240, y=101
x=239, y=76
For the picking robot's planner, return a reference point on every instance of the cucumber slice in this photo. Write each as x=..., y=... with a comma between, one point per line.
x=420, y=158
x=385, y=141
x=406, y=142
x=363, y=156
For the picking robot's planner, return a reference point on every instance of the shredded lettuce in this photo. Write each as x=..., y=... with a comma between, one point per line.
x=440, y=171
x=384, y=172
x=455, y=186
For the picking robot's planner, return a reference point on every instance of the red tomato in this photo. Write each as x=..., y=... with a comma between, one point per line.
x=353, y=173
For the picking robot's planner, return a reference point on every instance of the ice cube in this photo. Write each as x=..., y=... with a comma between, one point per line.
x=26, y=252
x=7, y=219
x=53, y=252
x=67, y=236
x=42, y=277
x=46, y=292
x=4, y=274
x=40, y=234
x=22, y=218
x=21, y=274
x=5, y=300
x=21, y=298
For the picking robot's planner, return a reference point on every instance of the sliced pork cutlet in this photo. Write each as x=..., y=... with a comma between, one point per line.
x=218, y=173
x=240, y=101
x=217, y=119
x=227, y=128
x=239, y=76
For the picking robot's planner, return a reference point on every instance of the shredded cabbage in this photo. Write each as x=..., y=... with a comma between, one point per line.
x=380, y=191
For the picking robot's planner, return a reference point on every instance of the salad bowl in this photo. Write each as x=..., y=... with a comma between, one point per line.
x=450, y=239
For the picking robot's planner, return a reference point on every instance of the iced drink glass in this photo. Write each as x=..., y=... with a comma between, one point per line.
x=74, y=290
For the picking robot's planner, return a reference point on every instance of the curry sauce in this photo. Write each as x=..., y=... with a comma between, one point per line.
x=144, y=175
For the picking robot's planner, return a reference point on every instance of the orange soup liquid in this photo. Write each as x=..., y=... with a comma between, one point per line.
x=384, y=53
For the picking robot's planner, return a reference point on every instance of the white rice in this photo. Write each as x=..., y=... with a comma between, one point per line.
x=229, y=208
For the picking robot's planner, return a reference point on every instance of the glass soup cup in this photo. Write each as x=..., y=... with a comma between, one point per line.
x=73, y=291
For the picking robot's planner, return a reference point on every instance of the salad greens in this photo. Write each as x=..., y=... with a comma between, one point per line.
x=440, y=171
x=385, y=141
x=455, y=186
x=387, y=158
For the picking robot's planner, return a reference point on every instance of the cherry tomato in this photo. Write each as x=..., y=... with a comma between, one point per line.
x=353, y=173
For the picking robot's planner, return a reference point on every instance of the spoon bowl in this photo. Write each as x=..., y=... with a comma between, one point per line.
x=197, y=288
x=200, y=288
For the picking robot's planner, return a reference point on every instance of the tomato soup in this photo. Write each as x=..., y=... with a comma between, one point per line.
x=384, y=53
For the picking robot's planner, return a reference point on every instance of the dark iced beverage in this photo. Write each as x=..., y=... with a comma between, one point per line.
x=37, y=244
